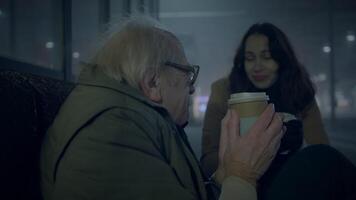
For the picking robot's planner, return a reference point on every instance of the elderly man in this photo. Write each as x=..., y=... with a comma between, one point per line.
x=119, y=134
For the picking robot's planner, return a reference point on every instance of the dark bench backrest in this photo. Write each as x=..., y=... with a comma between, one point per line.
x=28, y=106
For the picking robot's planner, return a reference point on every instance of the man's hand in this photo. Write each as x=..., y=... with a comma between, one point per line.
x=248, y=156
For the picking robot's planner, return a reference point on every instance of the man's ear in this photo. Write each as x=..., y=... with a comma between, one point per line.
x=150, y=86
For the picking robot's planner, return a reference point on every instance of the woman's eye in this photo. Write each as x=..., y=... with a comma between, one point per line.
x=249, y=58
x=266, y=56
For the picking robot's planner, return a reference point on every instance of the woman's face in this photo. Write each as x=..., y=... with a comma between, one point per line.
x=260, y=67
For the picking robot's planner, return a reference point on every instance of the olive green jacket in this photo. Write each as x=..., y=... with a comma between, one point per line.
x=110, y=142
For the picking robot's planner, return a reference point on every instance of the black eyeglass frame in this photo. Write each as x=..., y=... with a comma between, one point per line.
x=187, y=68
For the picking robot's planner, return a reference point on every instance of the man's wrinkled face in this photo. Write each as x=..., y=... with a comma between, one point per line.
x=176, y=87
x=172, y=85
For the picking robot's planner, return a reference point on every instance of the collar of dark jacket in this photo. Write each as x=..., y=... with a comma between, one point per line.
x=90, y=76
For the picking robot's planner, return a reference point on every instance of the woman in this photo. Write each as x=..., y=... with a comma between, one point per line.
x=265, y=62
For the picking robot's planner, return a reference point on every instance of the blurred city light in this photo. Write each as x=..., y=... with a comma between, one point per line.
x=199, y=106
x=350, y=37
x=76, y=55
x=49, y=45
x=326, y=49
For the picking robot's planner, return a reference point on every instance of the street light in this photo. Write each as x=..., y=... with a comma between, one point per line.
x=350, y=37
x=326, y=49
x=76, y=54
x=49, y=45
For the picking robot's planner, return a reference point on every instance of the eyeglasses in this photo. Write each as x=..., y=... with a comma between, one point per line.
x=193, y=70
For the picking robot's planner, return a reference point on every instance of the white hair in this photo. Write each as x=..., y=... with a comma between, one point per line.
x=140, y=46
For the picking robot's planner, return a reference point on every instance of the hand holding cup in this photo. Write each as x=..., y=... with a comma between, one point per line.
x=248, y=156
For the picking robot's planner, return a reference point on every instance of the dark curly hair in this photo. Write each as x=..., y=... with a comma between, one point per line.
x=293, y=82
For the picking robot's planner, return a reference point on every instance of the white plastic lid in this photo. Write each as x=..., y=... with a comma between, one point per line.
x=243, y=97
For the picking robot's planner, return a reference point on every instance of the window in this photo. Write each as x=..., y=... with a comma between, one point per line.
x=31, y=32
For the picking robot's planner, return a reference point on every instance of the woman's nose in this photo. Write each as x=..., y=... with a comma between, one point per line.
x=258, y=65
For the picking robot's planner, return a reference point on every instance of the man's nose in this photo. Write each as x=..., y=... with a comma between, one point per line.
x=191, y=89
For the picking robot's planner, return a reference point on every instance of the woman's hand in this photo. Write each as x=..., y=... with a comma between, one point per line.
x=248, y=156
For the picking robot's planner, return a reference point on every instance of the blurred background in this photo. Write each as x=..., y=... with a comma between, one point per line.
x=50, y=38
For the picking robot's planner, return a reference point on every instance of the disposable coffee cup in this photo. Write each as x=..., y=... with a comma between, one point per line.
x=249, y=106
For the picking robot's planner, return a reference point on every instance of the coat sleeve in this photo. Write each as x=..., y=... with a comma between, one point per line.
x=314, y=131
x=215, y=112
x=117, y=158
x=235, y=188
